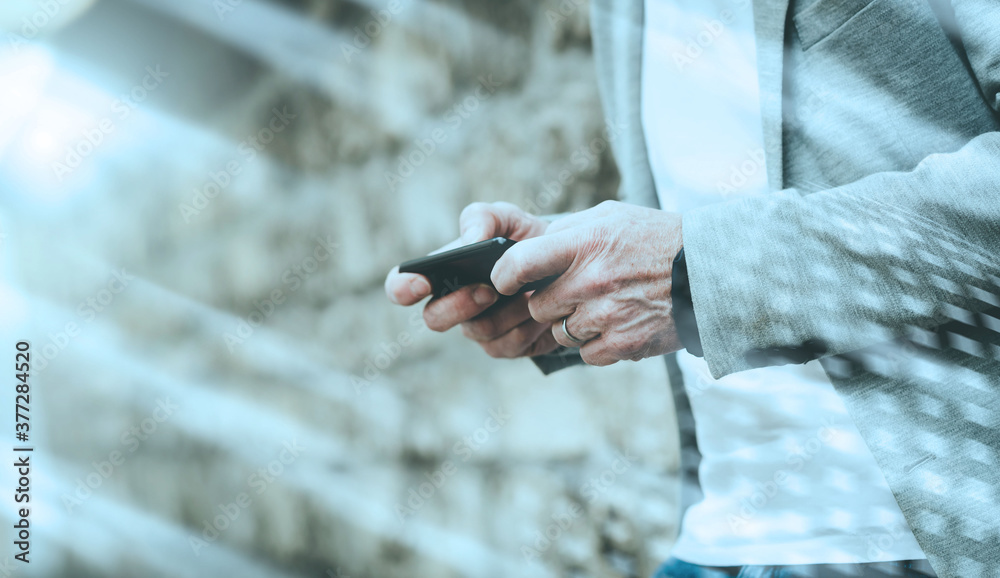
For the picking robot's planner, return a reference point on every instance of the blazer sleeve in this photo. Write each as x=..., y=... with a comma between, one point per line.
x=791, y=277
x=787, y=278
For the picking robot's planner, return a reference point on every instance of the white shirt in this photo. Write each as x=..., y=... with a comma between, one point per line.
x=786, y=476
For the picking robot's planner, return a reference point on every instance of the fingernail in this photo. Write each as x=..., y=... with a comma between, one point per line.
x=420, y=287
x=484, y=295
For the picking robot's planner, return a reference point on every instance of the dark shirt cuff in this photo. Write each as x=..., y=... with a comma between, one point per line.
x=561, y=358
x=684, y=319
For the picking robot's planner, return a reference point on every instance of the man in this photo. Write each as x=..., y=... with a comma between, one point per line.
x=871, y=246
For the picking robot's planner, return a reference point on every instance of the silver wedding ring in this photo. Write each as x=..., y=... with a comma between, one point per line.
x=570, y=335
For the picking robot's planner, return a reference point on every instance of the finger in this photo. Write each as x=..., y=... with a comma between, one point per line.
x=544, y=344
x=481, y=221
x=552, y=303
x=443, y=313
x=597, y=354
x=409, y=288
x=611, y=348
x=576, y=328
x=534, y=259
x=517, y=341
x=506, y=317
x=406, y=288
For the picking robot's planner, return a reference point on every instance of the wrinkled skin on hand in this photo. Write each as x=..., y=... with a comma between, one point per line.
x=615, y=265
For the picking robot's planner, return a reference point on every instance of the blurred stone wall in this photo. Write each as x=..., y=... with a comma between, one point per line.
x=421, y=456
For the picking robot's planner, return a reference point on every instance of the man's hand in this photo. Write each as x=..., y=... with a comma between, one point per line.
x=509, y=330
x=615, y=264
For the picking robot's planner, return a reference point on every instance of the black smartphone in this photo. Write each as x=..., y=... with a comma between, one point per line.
x=468, y=265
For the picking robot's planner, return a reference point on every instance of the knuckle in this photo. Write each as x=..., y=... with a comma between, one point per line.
x=506, y=206
x=480, y=213
x=623, y=346
x=432, y=322
x=536, y=308
x=435, y=318
x=607, y=206
x=492, y=350
x=595, y=356
x=472, y=209
x=468, y=333
x=603, y=312
x=614, y=342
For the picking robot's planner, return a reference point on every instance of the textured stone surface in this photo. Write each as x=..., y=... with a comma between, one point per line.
x=380, y=404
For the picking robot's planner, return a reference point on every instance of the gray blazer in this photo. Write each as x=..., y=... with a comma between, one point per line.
x=878, y=250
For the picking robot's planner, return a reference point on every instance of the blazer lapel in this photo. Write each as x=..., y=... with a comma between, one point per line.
x=617, y=27
x=769, y=20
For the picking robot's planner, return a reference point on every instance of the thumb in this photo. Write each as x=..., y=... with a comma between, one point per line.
x=532, y=260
